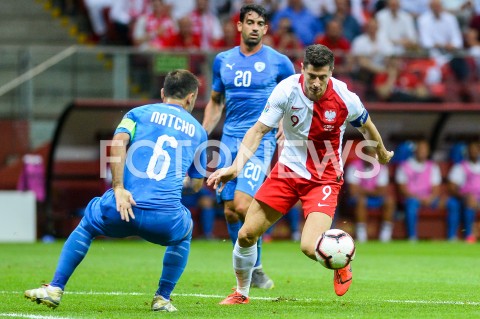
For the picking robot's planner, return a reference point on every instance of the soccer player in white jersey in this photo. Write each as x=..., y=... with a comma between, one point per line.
x=315, y=108
x=164, y=143
x=243, y=78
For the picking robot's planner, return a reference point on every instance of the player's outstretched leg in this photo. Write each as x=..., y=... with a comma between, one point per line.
x=73, y=252
x=342, y=278
x=259, y=278
x=46, y=295
x=243, y=262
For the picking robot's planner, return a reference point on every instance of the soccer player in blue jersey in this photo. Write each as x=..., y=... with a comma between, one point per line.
x=154, y=147
x=243, y=78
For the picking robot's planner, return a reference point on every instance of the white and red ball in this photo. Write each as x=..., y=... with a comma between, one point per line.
x=335, y=249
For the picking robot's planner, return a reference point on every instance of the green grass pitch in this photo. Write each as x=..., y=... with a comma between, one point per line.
x=117, y=279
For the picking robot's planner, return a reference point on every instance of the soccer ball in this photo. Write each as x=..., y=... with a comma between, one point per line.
x=335, y=249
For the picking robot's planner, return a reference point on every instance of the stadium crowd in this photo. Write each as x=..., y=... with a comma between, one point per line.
x=398, y=50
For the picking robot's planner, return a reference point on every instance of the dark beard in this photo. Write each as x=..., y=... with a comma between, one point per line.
x=252, y=42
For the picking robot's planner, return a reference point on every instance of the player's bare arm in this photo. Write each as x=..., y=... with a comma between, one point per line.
x=370, y=132
x=123, y=197
x=250, y=143
x=213, y=111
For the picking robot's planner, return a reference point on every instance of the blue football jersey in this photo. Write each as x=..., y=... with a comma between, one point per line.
x=246, y=82
x=166, y=143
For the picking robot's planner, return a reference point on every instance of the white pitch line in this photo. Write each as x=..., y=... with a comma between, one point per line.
x=120, y=293
x=22, y=315
x=437, y=302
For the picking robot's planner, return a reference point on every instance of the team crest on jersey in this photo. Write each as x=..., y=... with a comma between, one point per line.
x=259, y=66
x=330, y=115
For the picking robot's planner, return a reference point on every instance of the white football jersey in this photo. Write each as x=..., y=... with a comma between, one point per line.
x=313, y=130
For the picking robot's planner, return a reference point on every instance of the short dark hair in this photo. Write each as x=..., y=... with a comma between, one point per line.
x=179, y=83
x=255, y=8
x=318, y=56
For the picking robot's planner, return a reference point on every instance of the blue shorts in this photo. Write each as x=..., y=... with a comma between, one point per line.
x=167, y=227
x=254, y=171
x=372, y=201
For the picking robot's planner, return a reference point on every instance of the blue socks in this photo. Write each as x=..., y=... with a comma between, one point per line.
x=258, y=262
x=233, y=229
x=293, y=218
x=453, y=218
x=73, y=252
x=454, y=209
x=412, y=206
x=174, y=263
x=207, y=219
x=468, y=220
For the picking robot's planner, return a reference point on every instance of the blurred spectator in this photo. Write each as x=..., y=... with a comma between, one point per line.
x=185, y=37
x=285, y=39
x=458, y=152
x=230, y=36
x=155, y=30
x=351, y=26
x=463, y=10
x=378, y=5
x=206, y=25
x=368, y=193
x=222, y=8
x=399, y=27
x=96, y=15
x=472, y=39
x=67, y=7
x=325, y=7
x=473, y=47
x=474, y=23
x=476, y=6
x=271, y=6
x=370, y=51
x=403, y=151
x=404, y=81
x=464, y=179
x=305, y=25
x=362, y=10
x=419, y=181
x=180, y=9
x=415, y=7
x=123, y=14
x=440, y=33
x=32, y=176
x=335, y=41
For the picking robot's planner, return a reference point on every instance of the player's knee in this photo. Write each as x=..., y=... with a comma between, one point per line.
x=308, y=249
x=230, y=215
x=206, y=202
x=241, y=208
x=247, y=238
